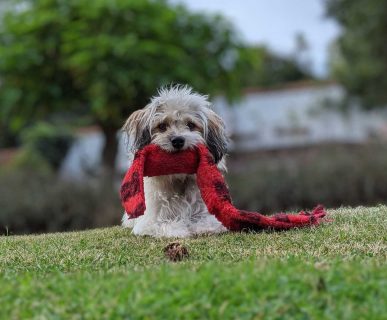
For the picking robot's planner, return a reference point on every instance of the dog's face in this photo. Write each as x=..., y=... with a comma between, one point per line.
x=177, y=119
x=177, y=128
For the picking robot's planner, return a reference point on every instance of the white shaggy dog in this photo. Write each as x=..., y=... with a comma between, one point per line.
x=176, y=119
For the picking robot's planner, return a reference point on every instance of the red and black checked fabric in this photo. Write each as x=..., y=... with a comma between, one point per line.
x=153, y=161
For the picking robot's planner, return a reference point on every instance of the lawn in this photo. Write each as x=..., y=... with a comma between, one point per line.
x=335, y=271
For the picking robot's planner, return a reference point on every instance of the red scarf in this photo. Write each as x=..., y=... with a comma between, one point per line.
x=153, y=161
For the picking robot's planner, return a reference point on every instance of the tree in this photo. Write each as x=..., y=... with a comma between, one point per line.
x=108, y=56
x=360, y=52
x=261, y=67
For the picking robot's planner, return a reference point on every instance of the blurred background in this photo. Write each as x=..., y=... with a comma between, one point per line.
x=300, y=84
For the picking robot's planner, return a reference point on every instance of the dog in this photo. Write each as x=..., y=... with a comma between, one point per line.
x=176, y=119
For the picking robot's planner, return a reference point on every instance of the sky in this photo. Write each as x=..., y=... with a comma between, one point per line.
x=275, y=23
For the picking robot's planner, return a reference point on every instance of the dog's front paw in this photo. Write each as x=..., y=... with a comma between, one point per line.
x=126, y=222
x=162, y=230
x=173, y=229
x=182, y=233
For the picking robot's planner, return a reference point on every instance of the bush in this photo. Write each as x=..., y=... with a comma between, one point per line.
x=44, y=145
x=34, y=202
x=334, y=176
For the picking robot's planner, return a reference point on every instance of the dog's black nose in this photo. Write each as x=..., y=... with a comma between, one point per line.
x=178, y=142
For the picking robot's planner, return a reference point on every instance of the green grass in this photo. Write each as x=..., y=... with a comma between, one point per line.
x=335, y=271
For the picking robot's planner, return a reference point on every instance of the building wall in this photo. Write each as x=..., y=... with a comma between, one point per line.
x=292, y=117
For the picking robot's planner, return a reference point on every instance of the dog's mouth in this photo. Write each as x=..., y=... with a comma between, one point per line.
x=171, y=149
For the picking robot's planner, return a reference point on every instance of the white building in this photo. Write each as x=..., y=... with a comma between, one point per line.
x=298, y=114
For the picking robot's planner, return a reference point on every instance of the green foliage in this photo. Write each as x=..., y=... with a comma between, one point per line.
x=28, y=159
x=335, y=271
x=8, y=138
x=47, y=142
x=108, y=55
x=360, y=58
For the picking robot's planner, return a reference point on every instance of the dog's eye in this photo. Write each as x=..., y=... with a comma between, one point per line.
x=162, y=127
x=191, y=125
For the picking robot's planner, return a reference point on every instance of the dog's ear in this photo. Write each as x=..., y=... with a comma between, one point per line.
x=217, y=139
x=137, y=130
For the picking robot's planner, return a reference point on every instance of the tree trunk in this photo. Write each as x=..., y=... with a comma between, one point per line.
x=109, y=152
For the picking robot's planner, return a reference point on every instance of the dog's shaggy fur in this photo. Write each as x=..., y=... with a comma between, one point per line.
x=176, y=119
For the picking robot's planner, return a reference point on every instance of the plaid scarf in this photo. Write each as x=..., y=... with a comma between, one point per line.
x=152, y=161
